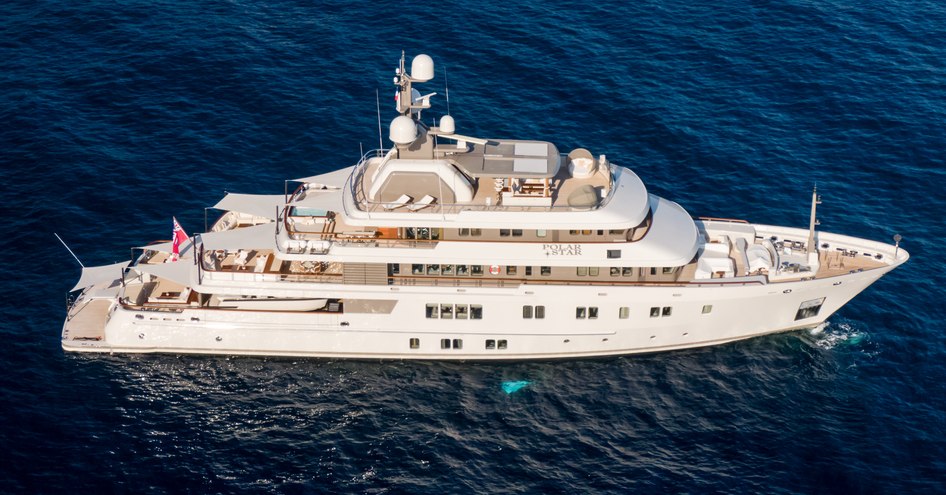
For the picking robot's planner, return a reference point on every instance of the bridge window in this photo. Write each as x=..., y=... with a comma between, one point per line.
x=624, y=312
x=476, y=312
x=415, y=343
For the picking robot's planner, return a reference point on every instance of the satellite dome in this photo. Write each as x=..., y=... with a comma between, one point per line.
x=422, y=68
x=447, y=125
x=403, y=130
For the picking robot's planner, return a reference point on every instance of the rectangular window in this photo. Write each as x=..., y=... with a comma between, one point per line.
x=615, y=271
x=501, y=344
x=528, y=271
x=433, y=269
x=435, y=234
x=417, y=269
x=517, y=232
x=540, y=233
x=446, y=270
x=627, y=271
x=432, y=310
x=458, y=343
x=545, y=270
x=573, y=232
x=707, y=309
x=527, y=312
x=624, y=312
x=415, y=343
x=809, y=309
x=539, y=312
x=409, y=233
x=446, y=311
x=464, y=232
x=476, y=270
x=600, y=232
x=586, y=232
x=667, y=310
x=668, y=270
x=444, y=343
x=476, y=312
x=462, y=312
x=463, y=270
x=581, y=312
x=490, y=344
x=653, y=270
x=503, y=232
x=614, y=254
x=594, y=271
x=582, y=271
x=476, y=232
x=394, y=268
x=510, y=270
x=616, y=232
x=593, y=313
x=654, y=312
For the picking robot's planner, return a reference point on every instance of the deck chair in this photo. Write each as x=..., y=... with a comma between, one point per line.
x=424, y=202
x=399, y=202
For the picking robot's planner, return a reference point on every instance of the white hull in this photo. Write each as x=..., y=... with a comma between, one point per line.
x=738, y=312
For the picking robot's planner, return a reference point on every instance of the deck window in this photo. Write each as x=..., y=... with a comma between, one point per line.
x=539, y=312
x=655, y=312
x=458, y=343
x=593, y=313
x=653, y=270
x=581, y=313
x=707, y=309
x=540, y=233
x=432, y=311
x=476, y=270
x=463, y=270
x=503, y=232
x=594, y=271
x=668, y=270
x=446, y=311
x=490, y=344
x=573, y=232
x=446, y=269
x=394, y=268
x=433, y=269
x=809, y=309
x=627, y=271
x=462, y=311
x=501, y=344
x=517, y=232
x=417, y=269
x=476, y=312
x=624, y=312
x=614, y=254
x=528, y=271
x=510, y=270
x=476, y=232
x=444, y=343
x=464, y=232
x=582, y=271
x=527, y=312
x=667, y=310
x=415, y=343
x=615, y=271
x=545, y=271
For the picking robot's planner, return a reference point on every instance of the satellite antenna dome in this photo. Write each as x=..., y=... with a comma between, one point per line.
x=447, y=125
x=422, y=68
x=403, y=130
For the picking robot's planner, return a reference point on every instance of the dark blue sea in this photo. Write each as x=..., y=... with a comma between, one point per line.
x=116, y=116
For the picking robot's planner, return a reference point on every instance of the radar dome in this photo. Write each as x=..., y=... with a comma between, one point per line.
x=403, y=130
x=447, y=125
x=422, y=68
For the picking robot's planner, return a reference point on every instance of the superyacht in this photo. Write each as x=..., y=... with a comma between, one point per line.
x=454, y=247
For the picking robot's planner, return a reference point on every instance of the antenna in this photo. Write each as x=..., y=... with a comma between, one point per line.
x=377, y=99
x=446, y=88
x=67, y=248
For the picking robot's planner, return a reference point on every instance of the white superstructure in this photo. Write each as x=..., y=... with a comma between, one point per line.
x=449, y=246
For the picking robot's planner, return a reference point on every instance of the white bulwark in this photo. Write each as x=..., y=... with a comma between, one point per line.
x=452, y=247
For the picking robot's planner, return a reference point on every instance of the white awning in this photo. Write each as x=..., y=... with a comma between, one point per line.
x=177, y=271
x=168, y=247
x=334, y=179
x=92, y=275
x=260, y=205
x=255, y=237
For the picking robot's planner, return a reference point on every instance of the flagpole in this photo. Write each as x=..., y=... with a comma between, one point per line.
x=67, y=248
